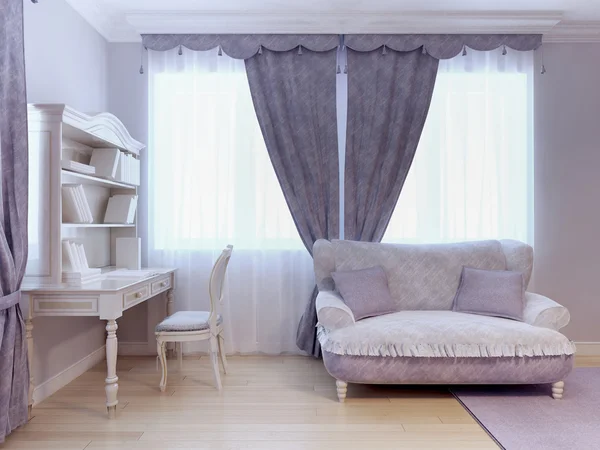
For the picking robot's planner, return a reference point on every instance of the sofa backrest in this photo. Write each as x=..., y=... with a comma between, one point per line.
x=420, y=277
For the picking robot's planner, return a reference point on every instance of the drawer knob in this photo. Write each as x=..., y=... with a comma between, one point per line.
x=138, y=295
x=163, y=284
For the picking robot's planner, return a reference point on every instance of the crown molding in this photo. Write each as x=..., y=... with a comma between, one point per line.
x=574, y=32
x=97, y=16
x=116, y=27
x=343, y=23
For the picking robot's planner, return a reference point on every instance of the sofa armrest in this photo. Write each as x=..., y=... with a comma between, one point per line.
x=542, y=312
x=332, y=312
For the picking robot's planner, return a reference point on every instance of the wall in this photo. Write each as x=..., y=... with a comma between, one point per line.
x=567, y=163
x=66, y=62
x=128, y=100
x=65, y=58
x=567, y=184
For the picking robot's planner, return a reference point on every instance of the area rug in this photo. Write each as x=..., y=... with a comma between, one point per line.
x=527, y=417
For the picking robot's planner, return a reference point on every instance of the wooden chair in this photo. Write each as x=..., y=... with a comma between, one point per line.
x=185, y=326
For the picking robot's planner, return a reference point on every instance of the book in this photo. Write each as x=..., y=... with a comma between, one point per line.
x=86, y=206
x=129, y=253
x=70, y=208
x=68, y=258
x=106, y=162
x=75, y=166
x=121, y=209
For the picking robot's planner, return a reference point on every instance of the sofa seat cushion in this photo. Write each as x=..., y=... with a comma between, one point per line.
x=443, y=334
x=377, y=370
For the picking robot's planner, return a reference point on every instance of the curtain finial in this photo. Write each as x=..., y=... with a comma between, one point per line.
x=220, y=51
x=180, y=51
x=299, y=49
x=464, y=52
x=142, y=59
x=504, y=50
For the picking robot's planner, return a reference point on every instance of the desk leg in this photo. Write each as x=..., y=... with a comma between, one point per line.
x=112, y=386
x=29, y=337
x=170, y=310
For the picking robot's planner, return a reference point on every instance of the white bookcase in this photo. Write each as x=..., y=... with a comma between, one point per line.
x=58, y=132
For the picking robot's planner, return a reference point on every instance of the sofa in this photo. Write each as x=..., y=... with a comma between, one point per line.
x=424, y=341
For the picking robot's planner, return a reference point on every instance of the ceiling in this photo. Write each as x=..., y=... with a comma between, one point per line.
x=558, y=20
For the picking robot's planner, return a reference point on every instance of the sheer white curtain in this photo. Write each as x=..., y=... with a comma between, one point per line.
x=211, y=183
x=472, y=176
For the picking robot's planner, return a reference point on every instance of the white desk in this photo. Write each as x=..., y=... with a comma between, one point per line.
x=106, y=299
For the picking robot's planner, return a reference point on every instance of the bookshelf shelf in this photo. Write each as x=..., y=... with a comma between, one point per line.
x=74, y=177
x=60, y=199
x=98, y=225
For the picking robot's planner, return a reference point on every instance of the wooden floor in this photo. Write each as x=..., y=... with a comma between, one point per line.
x=267, y=403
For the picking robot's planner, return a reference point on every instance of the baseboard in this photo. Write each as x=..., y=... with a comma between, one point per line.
x=60, y=380
x=136, y=349
x=588, y=348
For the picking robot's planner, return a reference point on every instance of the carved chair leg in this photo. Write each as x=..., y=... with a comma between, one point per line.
x=558, y=389
x=160, y=349
x=342, y=389
x=214, y=359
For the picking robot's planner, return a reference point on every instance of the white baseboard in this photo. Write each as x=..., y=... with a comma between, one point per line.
x=136, y=349
x=60, y=380
x=588, y=348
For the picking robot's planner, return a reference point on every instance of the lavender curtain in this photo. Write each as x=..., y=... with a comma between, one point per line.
x=389, y=93
x=294, y=98
x=14, y=371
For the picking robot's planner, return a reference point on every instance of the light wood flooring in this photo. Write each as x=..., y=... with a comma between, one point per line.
x=267, y=403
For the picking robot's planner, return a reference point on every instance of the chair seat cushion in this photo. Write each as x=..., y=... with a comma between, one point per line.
x=443, y=334
x=187, y=321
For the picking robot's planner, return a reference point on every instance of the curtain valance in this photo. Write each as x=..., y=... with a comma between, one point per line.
x=242, y=46
x=442, y=46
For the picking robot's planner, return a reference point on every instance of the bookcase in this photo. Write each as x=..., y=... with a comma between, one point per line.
x=62, y=142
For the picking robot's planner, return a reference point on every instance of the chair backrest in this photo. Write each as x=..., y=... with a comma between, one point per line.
x=217, y=279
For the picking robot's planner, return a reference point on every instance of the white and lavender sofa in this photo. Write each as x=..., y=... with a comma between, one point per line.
x=424, y=341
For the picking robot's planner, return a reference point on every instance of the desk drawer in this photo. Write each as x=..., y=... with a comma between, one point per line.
x=136, y=296
x=161, y=285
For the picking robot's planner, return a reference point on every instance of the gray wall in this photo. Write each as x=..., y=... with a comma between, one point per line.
x=128, y=100
x=567, y=184
x=66, y=62
x=567, y=168
x=65, y=58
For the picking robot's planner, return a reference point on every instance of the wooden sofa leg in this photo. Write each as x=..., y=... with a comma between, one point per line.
x=558, y=389
x=342, y=389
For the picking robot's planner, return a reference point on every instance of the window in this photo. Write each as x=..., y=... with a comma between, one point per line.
x=210, y=173
x=472, y=175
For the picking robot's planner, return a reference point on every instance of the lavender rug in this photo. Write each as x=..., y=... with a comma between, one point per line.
x=527, y=417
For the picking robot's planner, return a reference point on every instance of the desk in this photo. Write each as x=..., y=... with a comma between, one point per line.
x=106, y=299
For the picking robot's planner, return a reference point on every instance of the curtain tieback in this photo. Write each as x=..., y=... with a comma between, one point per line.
x=10, y=300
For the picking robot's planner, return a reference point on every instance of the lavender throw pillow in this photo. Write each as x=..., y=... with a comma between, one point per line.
x=365, y=292
x=498, y=293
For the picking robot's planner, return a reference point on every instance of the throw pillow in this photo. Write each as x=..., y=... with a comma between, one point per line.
x=365, y=292
x=498, y=293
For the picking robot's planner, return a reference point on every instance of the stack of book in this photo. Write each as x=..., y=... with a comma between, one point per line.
x=121, y=209
x=75, y=166
x=116, y=165
x=76, y=269
x=75, y=207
